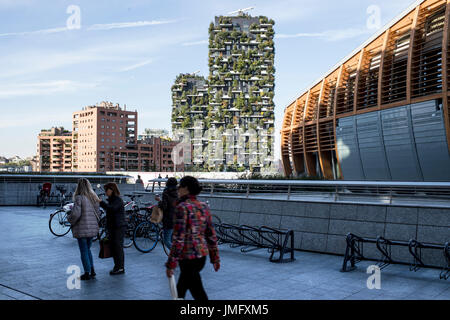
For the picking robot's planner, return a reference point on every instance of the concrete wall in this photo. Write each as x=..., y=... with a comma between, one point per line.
x=322, y=227
x=23, y=194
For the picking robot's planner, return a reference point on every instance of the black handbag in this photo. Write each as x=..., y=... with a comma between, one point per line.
x=105, y=249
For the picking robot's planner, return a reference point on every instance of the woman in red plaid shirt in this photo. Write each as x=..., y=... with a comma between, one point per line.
x=193, y=239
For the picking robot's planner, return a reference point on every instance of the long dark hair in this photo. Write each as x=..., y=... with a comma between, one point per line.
x=171, y=182
x=113, y=187
x=192, y=184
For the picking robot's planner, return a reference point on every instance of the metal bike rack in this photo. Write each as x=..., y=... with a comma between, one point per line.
x=254, y=238
x=354, y=253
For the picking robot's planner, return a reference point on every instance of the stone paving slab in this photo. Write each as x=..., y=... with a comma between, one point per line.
x=34, y=262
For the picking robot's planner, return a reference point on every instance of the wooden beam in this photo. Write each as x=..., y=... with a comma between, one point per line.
x=324, y=160
x=296, y=160
x=290, y=139
x=308, y=162
x=356, y=86
x=381, y=70
x=338, y=83
x=410, y=55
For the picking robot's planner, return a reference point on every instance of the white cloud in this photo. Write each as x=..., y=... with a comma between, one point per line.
x=137, y=65
x=330, y=35
x=41, y=60
x=195, y=43
x=41, y=88
x=95, y=27
x=119, y=25
x=26, y=33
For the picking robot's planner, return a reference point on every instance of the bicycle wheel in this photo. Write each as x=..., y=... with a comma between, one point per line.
x=145, y=236
x=128, y=238
x=216, y=219
x=166, y=249
x=101, y=229
x=58, y=224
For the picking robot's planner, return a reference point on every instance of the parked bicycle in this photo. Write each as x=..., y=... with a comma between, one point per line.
x=44, y=194
x=134, y=215
x=62, y=195
x=147, y=235
x=58, y=223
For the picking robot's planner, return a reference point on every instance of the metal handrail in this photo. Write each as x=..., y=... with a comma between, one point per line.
x=321, y=183
x=403, y=193
x=51, y=176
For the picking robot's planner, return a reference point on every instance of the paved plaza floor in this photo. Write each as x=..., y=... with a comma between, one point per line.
x=33, y=265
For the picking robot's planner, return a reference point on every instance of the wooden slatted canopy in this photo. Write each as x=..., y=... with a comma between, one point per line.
x=406, y=63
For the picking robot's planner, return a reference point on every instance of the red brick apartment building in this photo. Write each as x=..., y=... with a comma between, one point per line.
x=54, y=151
x=104, y=138
x=100, y=131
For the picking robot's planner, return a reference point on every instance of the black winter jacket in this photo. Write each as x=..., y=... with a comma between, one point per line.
x=168, y=205
x=115, y=213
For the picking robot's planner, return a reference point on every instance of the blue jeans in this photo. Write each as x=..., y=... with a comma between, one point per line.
x=167, y=237
x=86, y=255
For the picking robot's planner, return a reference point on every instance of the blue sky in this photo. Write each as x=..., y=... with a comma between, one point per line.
x=129, y=52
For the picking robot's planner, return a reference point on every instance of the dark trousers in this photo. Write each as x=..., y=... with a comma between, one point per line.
x=117, y=235
x=190, y=279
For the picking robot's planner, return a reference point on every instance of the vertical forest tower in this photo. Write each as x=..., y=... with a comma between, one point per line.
x=240, y=92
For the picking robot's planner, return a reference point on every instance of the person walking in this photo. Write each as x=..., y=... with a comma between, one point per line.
x=139, y=181
x=159, y=182
x=193, y=239
x=84, y=219
x=115, y=225
x=168, y=204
